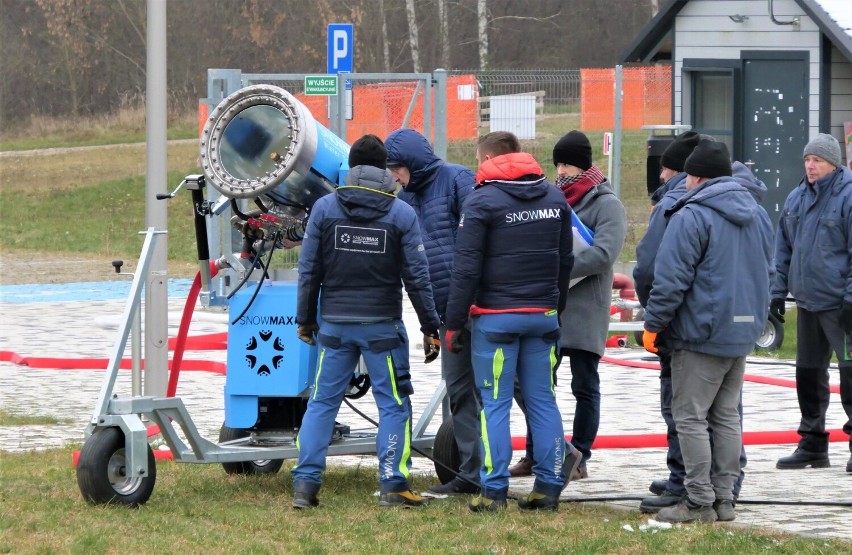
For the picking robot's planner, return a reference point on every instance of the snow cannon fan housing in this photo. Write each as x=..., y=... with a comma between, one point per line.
x=262, y=144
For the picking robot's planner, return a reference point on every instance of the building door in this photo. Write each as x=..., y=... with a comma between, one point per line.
x=775, y=121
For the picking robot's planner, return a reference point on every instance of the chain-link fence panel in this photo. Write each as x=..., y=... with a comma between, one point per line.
x=543, y=105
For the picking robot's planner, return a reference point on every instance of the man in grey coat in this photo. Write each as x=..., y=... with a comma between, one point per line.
x=710, y=294
x=585, y=320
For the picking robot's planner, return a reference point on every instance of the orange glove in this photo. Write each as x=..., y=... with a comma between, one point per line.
x=649, y=341
x=431, y=346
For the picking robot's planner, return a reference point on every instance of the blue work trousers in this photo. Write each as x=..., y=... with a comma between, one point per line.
x=503, y=346
x=384, y=346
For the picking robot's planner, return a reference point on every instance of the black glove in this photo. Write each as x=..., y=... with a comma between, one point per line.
x=846, y=317
x=776, y=309
x=306, y=333
x=431, y=345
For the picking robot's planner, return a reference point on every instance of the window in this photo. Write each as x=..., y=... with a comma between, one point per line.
x=713, y=105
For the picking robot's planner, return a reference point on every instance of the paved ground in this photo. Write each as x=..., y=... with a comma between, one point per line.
x=55, y=321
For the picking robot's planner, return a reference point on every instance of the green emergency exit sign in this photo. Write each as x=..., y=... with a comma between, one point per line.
x=321, y=85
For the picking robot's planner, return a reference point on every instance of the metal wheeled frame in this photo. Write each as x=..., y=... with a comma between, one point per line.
x=127, y=413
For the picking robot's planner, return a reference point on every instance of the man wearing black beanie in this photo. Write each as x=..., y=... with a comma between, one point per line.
x=711, y=297
x=668, y=492
x=362, y=243
x=592, y=199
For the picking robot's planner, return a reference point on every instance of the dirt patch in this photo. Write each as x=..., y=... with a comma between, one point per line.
x=20, y=268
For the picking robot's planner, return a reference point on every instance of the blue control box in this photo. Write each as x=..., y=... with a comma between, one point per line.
x=265, y=357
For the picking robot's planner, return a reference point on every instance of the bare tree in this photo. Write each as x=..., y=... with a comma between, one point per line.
x=412, y=35
x=444, y=34
x=482, y=14
x=385, y=38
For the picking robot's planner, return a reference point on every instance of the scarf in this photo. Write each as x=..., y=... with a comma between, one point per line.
x=575, y=187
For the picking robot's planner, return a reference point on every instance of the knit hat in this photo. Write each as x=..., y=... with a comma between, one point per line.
x=709, y=159
x=679, y=150
x=369, y=150
x=826, y=147
x=573, y=149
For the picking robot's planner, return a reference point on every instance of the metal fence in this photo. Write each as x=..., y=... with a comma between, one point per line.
x=585, y=100
x=538, y=105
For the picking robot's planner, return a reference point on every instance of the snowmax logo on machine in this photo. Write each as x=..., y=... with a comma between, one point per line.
x=261, y=339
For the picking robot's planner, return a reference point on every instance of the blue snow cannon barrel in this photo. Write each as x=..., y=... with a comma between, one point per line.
x=262, y=142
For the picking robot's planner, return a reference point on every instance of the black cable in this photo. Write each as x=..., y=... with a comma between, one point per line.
x=236, y=209
x=246, y=277
x=739, y=501
x=259, y=204
x=453, y=471
x=256, y=289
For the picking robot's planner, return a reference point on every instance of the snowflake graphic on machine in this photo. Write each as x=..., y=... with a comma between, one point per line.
x=266, y=367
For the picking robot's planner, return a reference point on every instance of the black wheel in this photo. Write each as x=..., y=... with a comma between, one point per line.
x=359, y=385
x=446, y=452
x=263, y=466
x=638, y=317
x=102, y=473
x=772, y=336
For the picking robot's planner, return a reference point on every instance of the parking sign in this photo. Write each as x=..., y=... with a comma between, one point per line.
x=340, y=46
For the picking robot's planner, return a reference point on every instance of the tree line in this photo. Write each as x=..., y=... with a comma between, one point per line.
x=86, y=57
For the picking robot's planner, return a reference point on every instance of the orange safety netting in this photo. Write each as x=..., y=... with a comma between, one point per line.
x=646, y=98
x=380, y=108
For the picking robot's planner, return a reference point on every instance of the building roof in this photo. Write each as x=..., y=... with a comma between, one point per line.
x=833, y=17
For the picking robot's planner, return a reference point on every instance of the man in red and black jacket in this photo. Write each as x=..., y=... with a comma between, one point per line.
x=511, y=270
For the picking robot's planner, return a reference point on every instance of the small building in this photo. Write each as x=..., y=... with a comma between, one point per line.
x=763, y=76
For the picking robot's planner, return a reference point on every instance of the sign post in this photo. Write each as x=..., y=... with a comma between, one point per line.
x=607, y=151
x=341, y=49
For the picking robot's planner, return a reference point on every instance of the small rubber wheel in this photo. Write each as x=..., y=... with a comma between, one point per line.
x=638, y=317
x=772, y=336
x=446, y=452
x=359, y=385
x=102, y=473
x=262, y=466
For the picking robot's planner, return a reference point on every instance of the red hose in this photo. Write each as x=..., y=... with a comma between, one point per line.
x=748, y=377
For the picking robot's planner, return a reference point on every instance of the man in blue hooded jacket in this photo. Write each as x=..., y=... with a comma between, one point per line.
x=437, y=190
x=710, y=294
x=361, y=243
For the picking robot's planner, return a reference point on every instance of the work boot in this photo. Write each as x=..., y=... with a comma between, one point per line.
x=652, y=505
x=849, y=465
x=480, y=504
x=456, y=486
x=405, y=499
x=724, y=510
x=537, y=501
x=579, y=474
x=687, y=511
x=521, y=468
x=658, y=487
x=803, y=459
x=571, y=464
x=305, y=500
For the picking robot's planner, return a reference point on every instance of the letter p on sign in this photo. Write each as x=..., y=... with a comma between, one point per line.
x=340, y=48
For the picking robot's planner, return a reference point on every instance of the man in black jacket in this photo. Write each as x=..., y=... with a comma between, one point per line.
x=510, y=274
